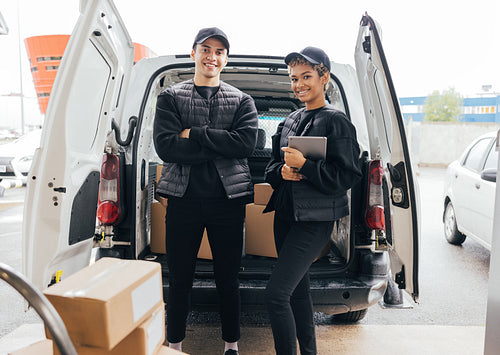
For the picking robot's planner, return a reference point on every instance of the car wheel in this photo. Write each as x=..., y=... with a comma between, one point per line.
x=451, y=232
x=351, y=317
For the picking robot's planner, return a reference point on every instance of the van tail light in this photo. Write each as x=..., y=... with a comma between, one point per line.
x=374, y=215
x=108, y=208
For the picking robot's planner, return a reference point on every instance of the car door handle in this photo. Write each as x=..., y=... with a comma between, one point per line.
x=478, y=186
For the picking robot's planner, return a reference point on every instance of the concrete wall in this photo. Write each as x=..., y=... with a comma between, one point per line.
x=439, y=143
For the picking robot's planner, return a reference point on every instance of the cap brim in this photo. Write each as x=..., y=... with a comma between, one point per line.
x=224, y=41
x=293, y=55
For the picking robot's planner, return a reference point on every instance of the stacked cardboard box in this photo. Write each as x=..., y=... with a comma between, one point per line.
x=259, y=235
x=114, y=306
x=42, y=347
x=46, y=347
x=158, y=233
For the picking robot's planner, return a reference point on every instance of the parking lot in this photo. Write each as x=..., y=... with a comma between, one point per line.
x=449, y=317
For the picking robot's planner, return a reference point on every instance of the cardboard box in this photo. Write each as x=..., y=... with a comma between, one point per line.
x=157, y=228
x=158, y=172
x=165, y=350
x=259, y=235
x=146, y=339
x=102, y=303
x=205, y=252
x=262, y=193
x=42, y=347
x=158, y=233
x=160, y=199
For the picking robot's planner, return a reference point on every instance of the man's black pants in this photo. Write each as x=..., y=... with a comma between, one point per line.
x=288, y=291
x=185, y=222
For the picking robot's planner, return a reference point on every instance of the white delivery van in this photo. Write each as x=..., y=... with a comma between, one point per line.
x=97, y=159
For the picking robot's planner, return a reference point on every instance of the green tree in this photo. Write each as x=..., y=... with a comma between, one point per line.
x=445, y=106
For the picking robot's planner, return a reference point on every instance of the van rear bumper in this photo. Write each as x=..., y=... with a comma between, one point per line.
x=330, y=296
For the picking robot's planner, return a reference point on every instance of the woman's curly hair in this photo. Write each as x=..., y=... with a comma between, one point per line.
x=320, y=68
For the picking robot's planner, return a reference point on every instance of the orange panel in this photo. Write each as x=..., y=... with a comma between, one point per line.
x=45, y=54
x=142, y=51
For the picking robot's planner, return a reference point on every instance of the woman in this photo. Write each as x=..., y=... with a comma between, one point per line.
x=309, y=196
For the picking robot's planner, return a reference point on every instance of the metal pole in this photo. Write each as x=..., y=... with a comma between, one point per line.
x=42, y=306
x=20, y=67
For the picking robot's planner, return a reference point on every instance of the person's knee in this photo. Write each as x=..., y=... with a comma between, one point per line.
x=225, y=286
x=275, y=295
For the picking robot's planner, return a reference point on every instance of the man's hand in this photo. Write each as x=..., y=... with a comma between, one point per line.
x=185, y=133
x=293, y=157
x=288, y=173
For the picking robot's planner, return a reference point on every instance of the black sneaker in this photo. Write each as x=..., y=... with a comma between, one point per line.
x=231, y=352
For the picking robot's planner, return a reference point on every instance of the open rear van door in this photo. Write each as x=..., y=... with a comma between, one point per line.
x=62, y=193
x=388, y=142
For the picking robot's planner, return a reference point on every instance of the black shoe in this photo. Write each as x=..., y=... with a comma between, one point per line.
x=231, y=352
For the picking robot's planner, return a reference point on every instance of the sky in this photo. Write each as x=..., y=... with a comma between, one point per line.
x=429, y=45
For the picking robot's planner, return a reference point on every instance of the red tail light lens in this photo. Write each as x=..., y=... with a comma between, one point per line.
x=374, y=216
x=376, y=173
x=107, y=213
x=108, y=209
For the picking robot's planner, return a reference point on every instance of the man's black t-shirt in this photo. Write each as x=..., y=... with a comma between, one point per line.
x=204, y=180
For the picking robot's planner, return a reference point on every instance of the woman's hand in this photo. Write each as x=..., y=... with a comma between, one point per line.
x=292, y=174
x=294, y=158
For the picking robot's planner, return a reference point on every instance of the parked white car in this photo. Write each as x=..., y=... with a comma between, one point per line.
x=16, y=157
x=469, y=193
x=99, y=98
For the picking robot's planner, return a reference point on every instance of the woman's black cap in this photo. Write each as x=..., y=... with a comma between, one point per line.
x=312, y=55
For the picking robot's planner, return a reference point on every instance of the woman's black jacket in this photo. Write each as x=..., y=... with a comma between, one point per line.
x=322, y=195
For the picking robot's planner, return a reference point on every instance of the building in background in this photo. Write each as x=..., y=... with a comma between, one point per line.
x=45, y=54
x=475, y=109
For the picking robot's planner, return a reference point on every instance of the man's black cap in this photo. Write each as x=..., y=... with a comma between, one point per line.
x=312, y=54
x=206, y=33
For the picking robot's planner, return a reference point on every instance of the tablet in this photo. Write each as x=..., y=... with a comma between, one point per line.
x=311, y=147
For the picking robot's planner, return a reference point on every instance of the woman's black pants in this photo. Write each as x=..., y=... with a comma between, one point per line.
x=288, y=292
x=185, y=223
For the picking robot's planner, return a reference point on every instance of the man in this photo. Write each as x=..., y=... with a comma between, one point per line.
x=204, y=130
